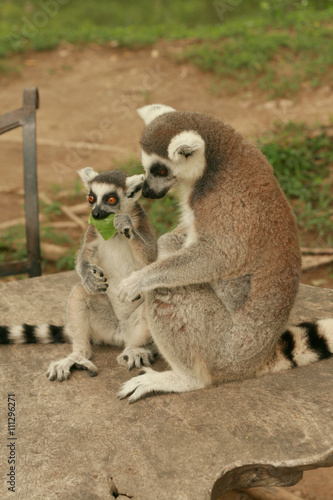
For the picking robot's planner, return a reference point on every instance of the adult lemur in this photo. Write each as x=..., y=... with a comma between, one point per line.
x=94, y=310
x=220, y=293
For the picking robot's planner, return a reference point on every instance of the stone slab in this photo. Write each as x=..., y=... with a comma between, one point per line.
x=77, y=441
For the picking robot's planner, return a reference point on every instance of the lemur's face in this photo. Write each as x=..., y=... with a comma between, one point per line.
x=159, y=178
x=111, y=192
x=170, y=154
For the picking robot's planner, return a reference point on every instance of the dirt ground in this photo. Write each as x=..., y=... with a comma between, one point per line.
x=87, y=117
x=88, y=102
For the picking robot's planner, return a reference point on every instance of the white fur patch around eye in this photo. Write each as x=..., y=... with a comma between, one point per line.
x=101, y=188
x=148, y=160
x=152, y=111
x=186, y=170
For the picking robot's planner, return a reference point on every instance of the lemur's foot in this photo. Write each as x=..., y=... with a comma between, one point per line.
x=151, y=381
x=135, y=357
x=61, y=370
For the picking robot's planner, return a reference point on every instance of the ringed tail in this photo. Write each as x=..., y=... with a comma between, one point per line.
x=32, y=334
x=300, y=345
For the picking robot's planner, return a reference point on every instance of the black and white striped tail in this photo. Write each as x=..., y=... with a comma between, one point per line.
x=302, y=345
x=32, y=334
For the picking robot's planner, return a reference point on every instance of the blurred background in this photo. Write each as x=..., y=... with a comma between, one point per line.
x=265, y=67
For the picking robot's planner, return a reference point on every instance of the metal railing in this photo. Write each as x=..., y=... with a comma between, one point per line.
x=25, y=117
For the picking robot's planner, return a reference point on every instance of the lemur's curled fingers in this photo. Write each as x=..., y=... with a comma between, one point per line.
x=98, y=271
x=136, y=357
x=95, y=281
x=130, y=288
x=123, y=224
x=61, y=370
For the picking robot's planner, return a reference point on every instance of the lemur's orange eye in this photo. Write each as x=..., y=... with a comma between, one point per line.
x=159, y=170
x=112, y=200
x=91, y=198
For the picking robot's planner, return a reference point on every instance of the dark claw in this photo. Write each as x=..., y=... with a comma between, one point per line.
x=131, y=366
x=91, y=373
x=79, y=367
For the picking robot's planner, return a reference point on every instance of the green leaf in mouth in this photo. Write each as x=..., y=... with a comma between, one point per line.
x=104, y=226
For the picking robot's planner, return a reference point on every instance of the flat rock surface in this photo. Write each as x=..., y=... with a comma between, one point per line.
x=76, y=440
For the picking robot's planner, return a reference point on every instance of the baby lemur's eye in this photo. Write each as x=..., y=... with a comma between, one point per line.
x=91, y=198
x=112, y=200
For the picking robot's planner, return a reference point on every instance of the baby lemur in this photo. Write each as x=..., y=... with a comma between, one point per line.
x=94, y=310
x=219, y=296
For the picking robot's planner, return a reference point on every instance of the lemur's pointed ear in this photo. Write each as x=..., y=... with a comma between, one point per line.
x=134, y=185
x=152, y=111
x=185, y=144
x=87, y=175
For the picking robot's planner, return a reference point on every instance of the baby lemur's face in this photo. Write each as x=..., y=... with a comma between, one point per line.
x=111, y=192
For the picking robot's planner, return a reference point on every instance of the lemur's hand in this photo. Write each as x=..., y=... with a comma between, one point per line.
x=123, y=225
x=130, y=289
x=94, y=280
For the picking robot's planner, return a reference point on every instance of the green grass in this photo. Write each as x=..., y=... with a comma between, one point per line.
x=12, y=244
x=52, y=208
x=277, y=59
x=67, y=262
x=302, y=158
x=275, y=45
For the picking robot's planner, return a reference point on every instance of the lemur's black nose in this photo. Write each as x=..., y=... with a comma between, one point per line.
x=99, y=214
x=148, y=192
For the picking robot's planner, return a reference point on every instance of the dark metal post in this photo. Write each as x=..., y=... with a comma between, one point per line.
x=30, y=104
